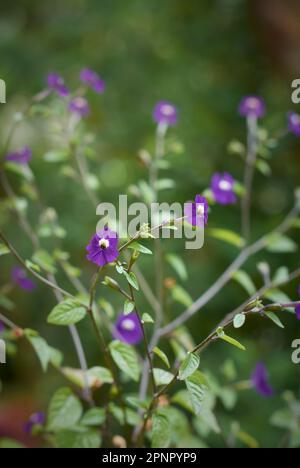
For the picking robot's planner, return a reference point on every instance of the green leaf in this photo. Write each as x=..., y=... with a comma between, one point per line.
x=10, y=443
x=277, y=296
x=245, y=281
x=165, y=184
x=239, y=320
x=96, y=376
x=161, y=430
x=196, y=385
x=281, y=275
x=180, y=295
x=162, y=377
x=128, y=307
x=139, y=248
x=146, y=318
x=42, y=349
x=65, y=410
x=162, y=356
x=3, y=249
x=93, y=417
x=81, y=438
x=274, y=319
x=229, y=340
x=178, y=265
x=263, y=167
x=126, y=359
x=227, y=236
x=56, y=156
x=45, y=261
x=32, y=266
x=188, y=366
x=67, y=313
x=6, y=303
x=281, y=244
x=132, y=279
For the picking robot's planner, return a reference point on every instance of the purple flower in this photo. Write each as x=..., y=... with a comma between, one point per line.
x=252, y=106
x=34, y=420
x=79, y=106
x=23, y=156
x=2, y=327
x=93, y=80
x=103, y=247
x=56, y=83
x=128, y=329
x=196, y=212
x=260, y=381
x=297, y=310
x=19, y=277
x=222, y=186
x=165, y=113
x=294, y=123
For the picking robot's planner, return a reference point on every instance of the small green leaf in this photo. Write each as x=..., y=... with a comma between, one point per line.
x=126, y=359
x=93, y=417
x=146, y=318
x=3, y=249
x=56, y=156
x=196, y=385
x=132, y=279
x=281, y=275
x=227, y=236
x=188, y=366
x=162, y=377
x=67, y=313
x=32, y=266
x=239, y=320
x=245, y=281
x=162, y=356
x=42, y=349
x=277, y=296
x=161, y=430
x=231, y=341
x=178, y=265
x=65, y=410
x=128, y=307
x=274, y=319
x=281, y=244
x=78, y=438
x=139, y=248
x=45, y=261
x=180, y=295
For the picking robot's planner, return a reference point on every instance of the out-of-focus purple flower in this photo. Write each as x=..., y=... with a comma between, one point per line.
x=103, y=247
x=93, y=80
x=252, y=106
x=79, y=106
x=222, y=186
x=36, y=419
x=196, y=212
x=23, y=156
x=2, y=327
x=19, y=277
x=128, y=329
x=260, y=380
x=294, y=123
x=56, y=83
x=297, y=310
x=165, y=113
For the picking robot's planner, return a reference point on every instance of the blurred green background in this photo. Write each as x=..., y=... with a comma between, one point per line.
x=203, y=56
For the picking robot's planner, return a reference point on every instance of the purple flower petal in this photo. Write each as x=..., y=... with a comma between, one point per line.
x=34, y=420
x=128, y=329
x=260, y=381
x=19, y=277
x=56, y=83
x=196, y=212
x=103, y=247
x=2, y=327
x=165, y=113
x=297, y=310
x=79, y=106
x=22, y=156
x=93, y=80
x=252, y=106
x=294, y=123
x=222, y=186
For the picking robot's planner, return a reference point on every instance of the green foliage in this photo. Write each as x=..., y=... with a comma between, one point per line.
x=67, y=313
x=126, y=359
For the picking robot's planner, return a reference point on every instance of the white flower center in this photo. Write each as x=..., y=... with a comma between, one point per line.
x=225, y=185
x=200, y=210
x=253, y=103
x=104, y=243
x=167, y=110
x=128, y=324
x=295, y=119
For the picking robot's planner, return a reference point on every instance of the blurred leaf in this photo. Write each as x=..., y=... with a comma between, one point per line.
x=274, y=319
x=227, y=236
x=67, y=313
x=188, y=366
x=132, y=279
x=165, y=184
x=180, y=295
x=146, y=318
x=3, y=249
x=239, y=320
x=162, y=377
x=139, y=248
x=128, y=307
x=45, y=261
x=162, y=356
x=161, y=430
x=196, y=386
x=10, y=443
x=281, y=244
x=56, y=156
x=6, y=303
x=281, y=275
x=126, y=359
x=64, y=411
x=93, y=417
x=263, y=167
x=178, y=265
x=81, y=438
x=277, y=296
x=42, y=350
x=245, y=281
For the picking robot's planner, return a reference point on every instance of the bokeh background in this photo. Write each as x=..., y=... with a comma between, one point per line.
x=203, y=56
